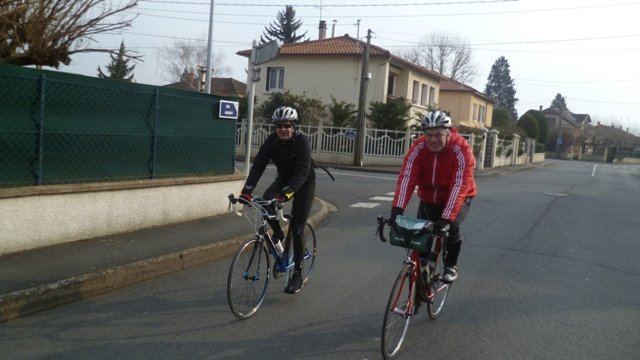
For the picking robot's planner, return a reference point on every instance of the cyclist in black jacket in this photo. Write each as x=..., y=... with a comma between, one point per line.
x=290, y=151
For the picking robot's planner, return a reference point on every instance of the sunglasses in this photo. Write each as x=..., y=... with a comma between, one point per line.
x=283, y=126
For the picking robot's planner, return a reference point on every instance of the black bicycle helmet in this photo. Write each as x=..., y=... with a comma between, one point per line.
x=285, y=113
x=436, y=119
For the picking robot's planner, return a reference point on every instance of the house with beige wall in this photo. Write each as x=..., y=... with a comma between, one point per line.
x=467, y=106
x=332, y=67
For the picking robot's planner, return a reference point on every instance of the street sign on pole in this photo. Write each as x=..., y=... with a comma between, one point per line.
x=259, y=55
x=265, y=53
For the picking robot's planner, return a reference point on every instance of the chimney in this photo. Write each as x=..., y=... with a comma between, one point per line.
x=323, y=30
x=333, y=28
x=540, y=107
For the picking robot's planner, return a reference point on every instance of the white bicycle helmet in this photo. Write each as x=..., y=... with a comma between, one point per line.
x=436, y=119
x=285, y=113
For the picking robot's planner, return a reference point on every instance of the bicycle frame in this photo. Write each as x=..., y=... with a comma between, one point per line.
x=411, y=288
x=249, y=274
x=261, y=226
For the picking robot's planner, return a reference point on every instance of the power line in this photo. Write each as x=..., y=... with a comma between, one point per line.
x=333, y=5
x=518, y=42
x=572, y=8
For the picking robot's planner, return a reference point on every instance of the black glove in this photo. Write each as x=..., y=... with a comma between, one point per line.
x=395, y=211
x=441, y=225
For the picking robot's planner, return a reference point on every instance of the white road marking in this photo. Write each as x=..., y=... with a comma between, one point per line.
x=365, y=205
x=393, y=178
x=381, y=198
x=556, y=194
x=593, y=173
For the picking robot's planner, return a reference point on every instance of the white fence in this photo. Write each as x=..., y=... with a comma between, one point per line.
x=335, y=145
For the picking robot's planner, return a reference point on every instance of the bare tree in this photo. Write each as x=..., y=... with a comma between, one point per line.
x=48, y=32
x=181, y=60
x=446, y=54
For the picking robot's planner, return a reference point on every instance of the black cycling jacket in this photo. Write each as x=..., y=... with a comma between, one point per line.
x=292, y=159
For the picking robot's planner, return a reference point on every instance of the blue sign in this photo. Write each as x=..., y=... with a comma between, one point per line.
x=228, y=109
x=350, y=134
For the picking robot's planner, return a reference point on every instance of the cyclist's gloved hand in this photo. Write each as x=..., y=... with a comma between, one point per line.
x=284, y=195
x=280, y=198
x=395, y=211
x=246, y=197
x=441, y=225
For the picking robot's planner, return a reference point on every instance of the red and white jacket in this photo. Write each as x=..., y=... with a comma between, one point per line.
x=444, y=178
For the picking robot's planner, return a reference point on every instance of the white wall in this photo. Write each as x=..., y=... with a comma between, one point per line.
x=28, y=222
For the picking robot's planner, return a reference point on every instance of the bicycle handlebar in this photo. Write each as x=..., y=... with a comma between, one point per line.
x=381, y=223
x=258, y=203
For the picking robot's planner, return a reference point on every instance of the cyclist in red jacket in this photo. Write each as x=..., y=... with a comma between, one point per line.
x=441, y=164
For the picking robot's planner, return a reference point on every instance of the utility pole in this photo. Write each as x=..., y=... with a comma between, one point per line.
x=207, y=81
x=254, y=76
x=358, y=152
x=559, y=132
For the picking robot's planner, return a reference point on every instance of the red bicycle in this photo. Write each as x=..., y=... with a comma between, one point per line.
x=420, y=279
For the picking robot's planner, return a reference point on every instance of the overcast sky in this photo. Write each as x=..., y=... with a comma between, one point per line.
x=586, y=50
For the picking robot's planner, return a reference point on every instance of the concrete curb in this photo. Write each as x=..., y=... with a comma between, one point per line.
x=23, y=302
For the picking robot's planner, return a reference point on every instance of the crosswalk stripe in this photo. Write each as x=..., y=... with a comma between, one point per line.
x=365, y=205
x=381, y=198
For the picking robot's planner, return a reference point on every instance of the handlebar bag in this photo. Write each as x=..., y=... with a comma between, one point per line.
x=411, y=233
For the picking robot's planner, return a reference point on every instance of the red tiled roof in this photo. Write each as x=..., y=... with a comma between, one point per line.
x=221, y=86
x=343, y=45
x=452, y=85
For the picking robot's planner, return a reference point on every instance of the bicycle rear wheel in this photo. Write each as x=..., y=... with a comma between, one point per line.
x=309, y=253
x=398, y=313
x=248, y=278
x=438, y=290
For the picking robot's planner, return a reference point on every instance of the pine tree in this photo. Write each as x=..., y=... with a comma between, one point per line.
x=119, y=68
x=284, y=28
x=500, y=86
x=559, y=102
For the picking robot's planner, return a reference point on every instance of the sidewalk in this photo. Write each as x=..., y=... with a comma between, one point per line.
x=38, y=279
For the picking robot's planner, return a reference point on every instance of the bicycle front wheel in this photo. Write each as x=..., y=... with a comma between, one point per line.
x=248, y=278
x=438, y=290
x=398, y=313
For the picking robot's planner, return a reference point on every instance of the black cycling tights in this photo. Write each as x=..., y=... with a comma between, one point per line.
x=300, y=209
x=454, y=241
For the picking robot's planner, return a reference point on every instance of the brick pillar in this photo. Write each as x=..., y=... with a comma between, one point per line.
x=515, y=146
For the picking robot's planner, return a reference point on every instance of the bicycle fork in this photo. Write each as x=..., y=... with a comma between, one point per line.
x=406, y=308
x=255, y=253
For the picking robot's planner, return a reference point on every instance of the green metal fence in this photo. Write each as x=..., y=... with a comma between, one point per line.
x=62, y=128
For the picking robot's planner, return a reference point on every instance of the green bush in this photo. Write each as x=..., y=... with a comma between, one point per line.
x=393, y=115
x=529, y=125
x=543, y=125
x=343, y=114
x=311, y=111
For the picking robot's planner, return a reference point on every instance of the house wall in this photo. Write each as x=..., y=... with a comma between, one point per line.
x=317, y=77
x=412, y=76
x=460, y=106
x=322, y=76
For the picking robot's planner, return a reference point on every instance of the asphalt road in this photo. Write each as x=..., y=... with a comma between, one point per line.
x=549, y=270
